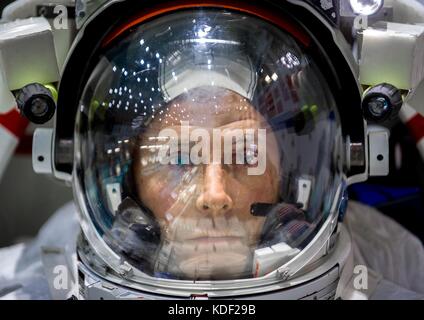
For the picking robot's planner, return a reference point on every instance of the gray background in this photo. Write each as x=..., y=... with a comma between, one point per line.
x=27, y=200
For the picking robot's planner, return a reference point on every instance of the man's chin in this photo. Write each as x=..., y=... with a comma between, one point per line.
x=216, y=266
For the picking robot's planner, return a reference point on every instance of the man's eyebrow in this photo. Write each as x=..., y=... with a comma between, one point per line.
x=243, y=124
x=261, y=124
x=178, y=127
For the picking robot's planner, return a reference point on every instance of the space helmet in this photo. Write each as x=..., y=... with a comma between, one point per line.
x=210, y=142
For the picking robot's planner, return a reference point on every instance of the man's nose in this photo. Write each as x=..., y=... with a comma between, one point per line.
x=214, y=198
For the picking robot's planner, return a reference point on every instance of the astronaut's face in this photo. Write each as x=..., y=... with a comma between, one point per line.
x=204, y=208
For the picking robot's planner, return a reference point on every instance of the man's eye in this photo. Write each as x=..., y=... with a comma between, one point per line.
x=182, y=159
x=248, y=157
x=251, y=157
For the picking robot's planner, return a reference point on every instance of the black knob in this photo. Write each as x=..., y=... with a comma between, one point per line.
x=36, y=103
x=382, y=103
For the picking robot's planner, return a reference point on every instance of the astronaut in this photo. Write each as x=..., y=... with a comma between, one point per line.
x=210, y=150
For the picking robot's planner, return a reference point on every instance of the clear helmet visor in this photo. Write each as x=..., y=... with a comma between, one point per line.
x=209, y=149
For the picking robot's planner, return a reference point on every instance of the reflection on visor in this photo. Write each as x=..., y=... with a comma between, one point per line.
x=209, y=149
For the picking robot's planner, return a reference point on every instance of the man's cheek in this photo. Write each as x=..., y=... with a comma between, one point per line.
x=155, y=196
x=266, y=182
x=257, y=193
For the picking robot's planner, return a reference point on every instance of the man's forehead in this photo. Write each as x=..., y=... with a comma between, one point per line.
x=219, y=108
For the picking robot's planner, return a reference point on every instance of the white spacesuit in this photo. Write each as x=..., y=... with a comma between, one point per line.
x=392, y=255
x=210, y=159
